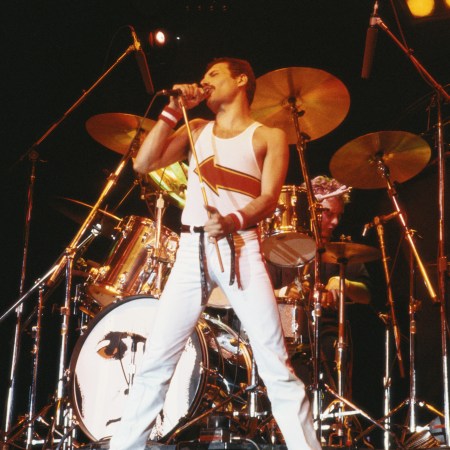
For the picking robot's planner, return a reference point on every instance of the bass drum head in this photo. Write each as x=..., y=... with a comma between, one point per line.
x=105, y=359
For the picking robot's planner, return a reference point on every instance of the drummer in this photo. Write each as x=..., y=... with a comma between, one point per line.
x=299, y=282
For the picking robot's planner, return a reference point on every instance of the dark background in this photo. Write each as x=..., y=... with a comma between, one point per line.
x=53, y=51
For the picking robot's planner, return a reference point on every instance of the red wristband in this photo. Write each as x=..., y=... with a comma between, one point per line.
x=234, y=218
x=170, y=116
x=238, y=220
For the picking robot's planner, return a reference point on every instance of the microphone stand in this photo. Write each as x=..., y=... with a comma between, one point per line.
x=33, y=156
x=441, y=96
x=200, y=177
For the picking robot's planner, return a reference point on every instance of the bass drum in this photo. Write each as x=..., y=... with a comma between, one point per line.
x=106, y=357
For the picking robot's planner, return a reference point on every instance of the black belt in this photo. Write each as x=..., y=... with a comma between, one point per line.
x=203, y=264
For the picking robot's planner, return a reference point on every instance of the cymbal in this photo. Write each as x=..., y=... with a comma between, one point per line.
x=173, y=180
x=108, y=220
x=405, y=154
x=323, y=99
x=351, y=252
x=117, y=130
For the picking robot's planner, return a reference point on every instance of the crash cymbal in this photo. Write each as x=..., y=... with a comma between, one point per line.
x=76, y=210
x=117, y=130
x=349, y=251
x=322, y=100
x=405, y=155
x=173, y=180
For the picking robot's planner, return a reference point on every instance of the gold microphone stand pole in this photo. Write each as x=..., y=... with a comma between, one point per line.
x=200, y=177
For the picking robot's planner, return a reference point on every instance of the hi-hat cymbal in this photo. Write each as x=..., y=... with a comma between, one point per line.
x=116, y=131
x=76, y=211
x=173, y=180
x=404, y=154
x=321, y=99
x=349, y=252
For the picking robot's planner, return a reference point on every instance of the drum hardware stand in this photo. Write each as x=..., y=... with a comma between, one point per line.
x=341, y=352
x=412, y=402
x=67, y=262
x=302, y=139
x=173, y=436
x=414, y=306
x=441, y=96
x=316, y=217
x=55, y=271
x=252, y=405
x=388, y=320
x=62, y=417
x=33, y=156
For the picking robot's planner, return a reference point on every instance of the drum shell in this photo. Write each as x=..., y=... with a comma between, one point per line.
x=209, y=369
x=286, y=236
x=134, y=262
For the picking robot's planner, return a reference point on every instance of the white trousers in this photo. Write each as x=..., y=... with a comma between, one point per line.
x=178, y=313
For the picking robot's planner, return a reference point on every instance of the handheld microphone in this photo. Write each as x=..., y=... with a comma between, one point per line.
x=206, y=91
x=371, y=41
x=142, y=63
x=170, y=92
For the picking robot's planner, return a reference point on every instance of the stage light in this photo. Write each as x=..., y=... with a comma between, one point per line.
x=158, y=38
x=421, y=8
x=426, y=10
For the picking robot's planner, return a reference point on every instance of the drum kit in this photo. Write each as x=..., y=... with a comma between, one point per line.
x=215, y=377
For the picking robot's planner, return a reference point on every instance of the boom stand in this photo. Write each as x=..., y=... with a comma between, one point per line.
x=31, y=152
x=441, y=96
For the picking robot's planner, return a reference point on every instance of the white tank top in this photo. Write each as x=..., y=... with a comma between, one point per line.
x=230, y=172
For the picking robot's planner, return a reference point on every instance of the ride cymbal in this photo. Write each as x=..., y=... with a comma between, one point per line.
x=321, y=100
x=116, y=131
x=349, y=252
x=356, y=163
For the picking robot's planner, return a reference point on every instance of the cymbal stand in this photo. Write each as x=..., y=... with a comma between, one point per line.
x=302, y=139
x=388, y=320
x=412, y=400
x=441, y=96
x=67, y=262
x=37, y=339
x=341, y=353
x=33, y=157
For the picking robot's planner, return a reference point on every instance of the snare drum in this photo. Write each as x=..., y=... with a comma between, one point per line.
x=286, y=237
x=134, y=265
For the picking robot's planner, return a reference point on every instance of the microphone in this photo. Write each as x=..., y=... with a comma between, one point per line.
x=378, y=220
x=371, y=41
x=142, y=63
x=178, y=92
x=170, y=92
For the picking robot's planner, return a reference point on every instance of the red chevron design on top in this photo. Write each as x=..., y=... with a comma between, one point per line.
x=216, y=176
